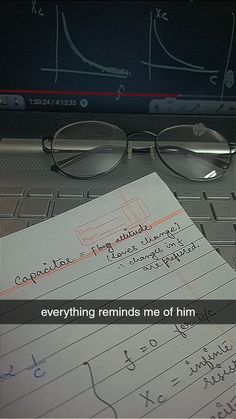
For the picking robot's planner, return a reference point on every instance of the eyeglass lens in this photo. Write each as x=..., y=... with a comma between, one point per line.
x=88, y=149
x=194, y=151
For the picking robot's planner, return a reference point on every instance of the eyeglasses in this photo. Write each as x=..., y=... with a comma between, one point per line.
x=89, y=149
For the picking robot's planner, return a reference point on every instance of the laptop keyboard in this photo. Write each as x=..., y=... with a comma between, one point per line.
x=213, y=212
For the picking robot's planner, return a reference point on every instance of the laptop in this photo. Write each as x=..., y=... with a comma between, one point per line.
x=142, y=66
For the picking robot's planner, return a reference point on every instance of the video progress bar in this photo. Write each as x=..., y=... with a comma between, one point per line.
x=79, y=93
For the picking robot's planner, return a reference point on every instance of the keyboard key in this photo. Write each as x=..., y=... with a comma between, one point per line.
x=10, y=191
x=7, y=207
x=224, y=210
x=63, y=205
x=11, y=226
x=41, y=192
x=217, y=195
x=197, y=210
x=187, y=195
x=34, y=208
x=96, y=192
x=219, y=233
x=34, y=222
x=70, y=193
x=229, y=255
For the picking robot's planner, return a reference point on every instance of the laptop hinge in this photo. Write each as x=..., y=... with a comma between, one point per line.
x=20, y=145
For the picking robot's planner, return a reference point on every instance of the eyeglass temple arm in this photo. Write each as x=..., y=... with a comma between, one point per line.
x=232, y=148
x=62, y=163
x=47, y=150
x=203, y=156
x=44, y=146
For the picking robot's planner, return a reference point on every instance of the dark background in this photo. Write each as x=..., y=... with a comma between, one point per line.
x=115, y=34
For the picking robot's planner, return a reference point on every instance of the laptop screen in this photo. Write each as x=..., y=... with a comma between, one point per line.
x=142, y=57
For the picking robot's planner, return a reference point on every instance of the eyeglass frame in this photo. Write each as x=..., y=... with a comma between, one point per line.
x=129, y=151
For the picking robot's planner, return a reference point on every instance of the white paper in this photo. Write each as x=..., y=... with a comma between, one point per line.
x=117, y=370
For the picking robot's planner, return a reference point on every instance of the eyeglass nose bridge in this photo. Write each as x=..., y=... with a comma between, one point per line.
x=140, y=145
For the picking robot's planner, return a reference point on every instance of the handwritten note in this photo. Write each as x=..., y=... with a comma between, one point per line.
x=133, y=243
